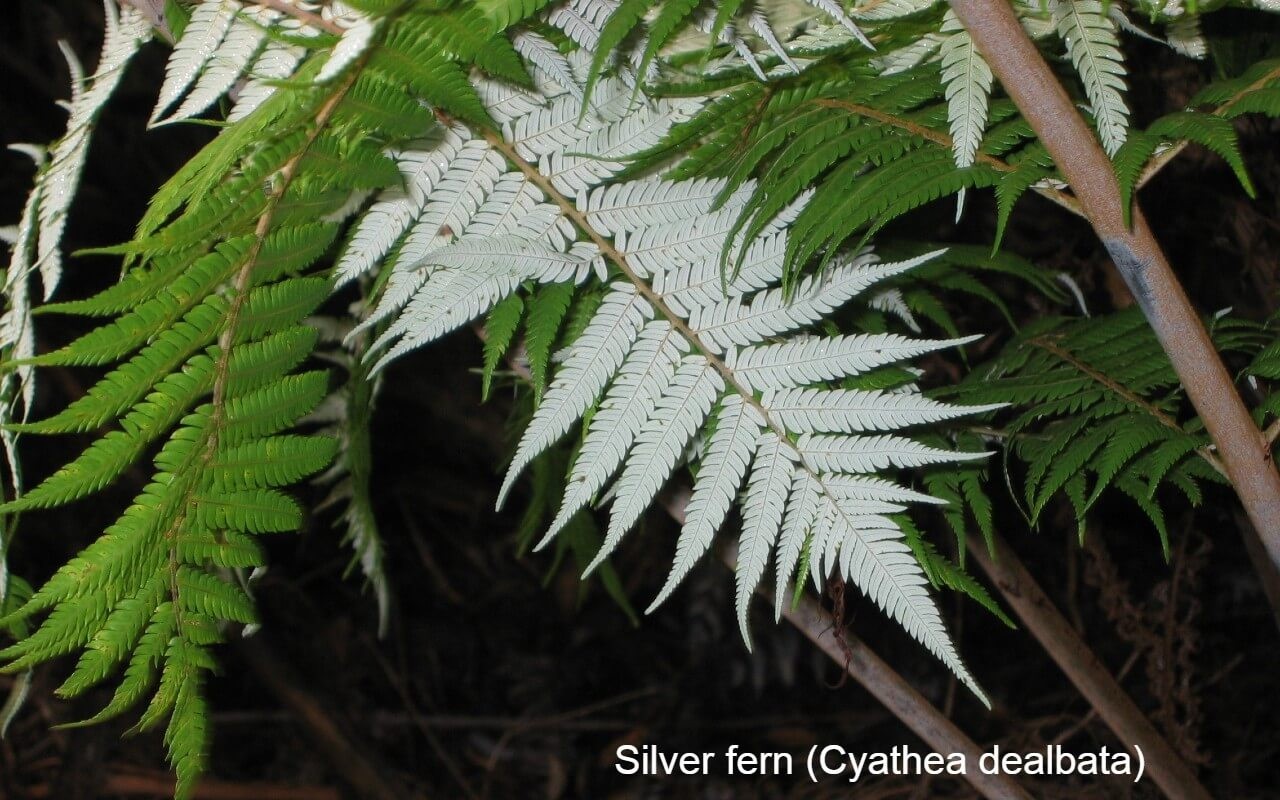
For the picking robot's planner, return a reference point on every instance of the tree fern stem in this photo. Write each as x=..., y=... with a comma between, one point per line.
x=1029, y=602
x=1044, y=103
x=886, y=685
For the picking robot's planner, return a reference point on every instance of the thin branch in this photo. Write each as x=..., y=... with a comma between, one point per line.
x=1032, y=85
x=885, y=684
x=358, y=769
x=1073, y=656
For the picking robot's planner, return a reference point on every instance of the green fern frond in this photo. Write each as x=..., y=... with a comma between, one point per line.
x=208, y=325
x=1094, y=405
x=547, y=309
x=942, y=572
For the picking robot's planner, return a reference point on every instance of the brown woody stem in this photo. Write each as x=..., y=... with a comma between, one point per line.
x=1167, y=769
x=884, y=683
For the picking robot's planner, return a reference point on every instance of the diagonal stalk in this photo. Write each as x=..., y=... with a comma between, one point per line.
x=1044, y=103
x=1083, y=668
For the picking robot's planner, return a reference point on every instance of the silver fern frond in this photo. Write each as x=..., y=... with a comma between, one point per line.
x=677, y=351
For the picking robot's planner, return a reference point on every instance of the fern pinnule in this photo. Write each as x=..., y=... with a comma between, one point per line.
x=1091, y=41
x=968, y=91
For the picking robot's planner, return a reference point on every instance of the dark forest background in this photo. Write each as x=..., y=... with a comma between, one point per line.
x=503, y=677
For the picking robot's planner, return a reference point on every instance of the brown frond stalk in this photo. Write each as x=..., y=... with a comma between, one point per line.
x=1034, y=608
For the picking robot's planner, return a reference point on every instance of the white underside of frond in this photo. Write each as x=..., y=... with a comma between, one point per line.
x=812, y=359
x=881, y=10
x=734, y=323
x=619, y=207
x=836, y=12
x=864, y=454
x=701, y=283
x=56, y=186
x=470, y=229
x=721, y=470
x=870, y=487
x=471, y=176
x=547, y=60
x=205, y=31
x=233, y=56
x=277, y=61
x=881, y=565
x=506, y=103
x=800, y=517
x=582, y=20
x=396, y=210
x=654, y=249
x=762, y=509
x=967, y=80
x=908, y=56
x=643, y=378
x=573, y=174
x=592, y=361
x=354, y=41
x=1185, y=36
x=676, y=417
x=846, y=410
x=1091, y=41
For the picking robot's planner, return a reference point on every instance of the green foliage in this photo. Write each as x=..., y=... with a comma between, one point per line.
x=943, y=572
x=500, y=329
x=1213, y=132
x=869, y=149
x=547, y=309
x=1094, y=404
x=208, y=379
x=962, y=271
x=205, y=332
